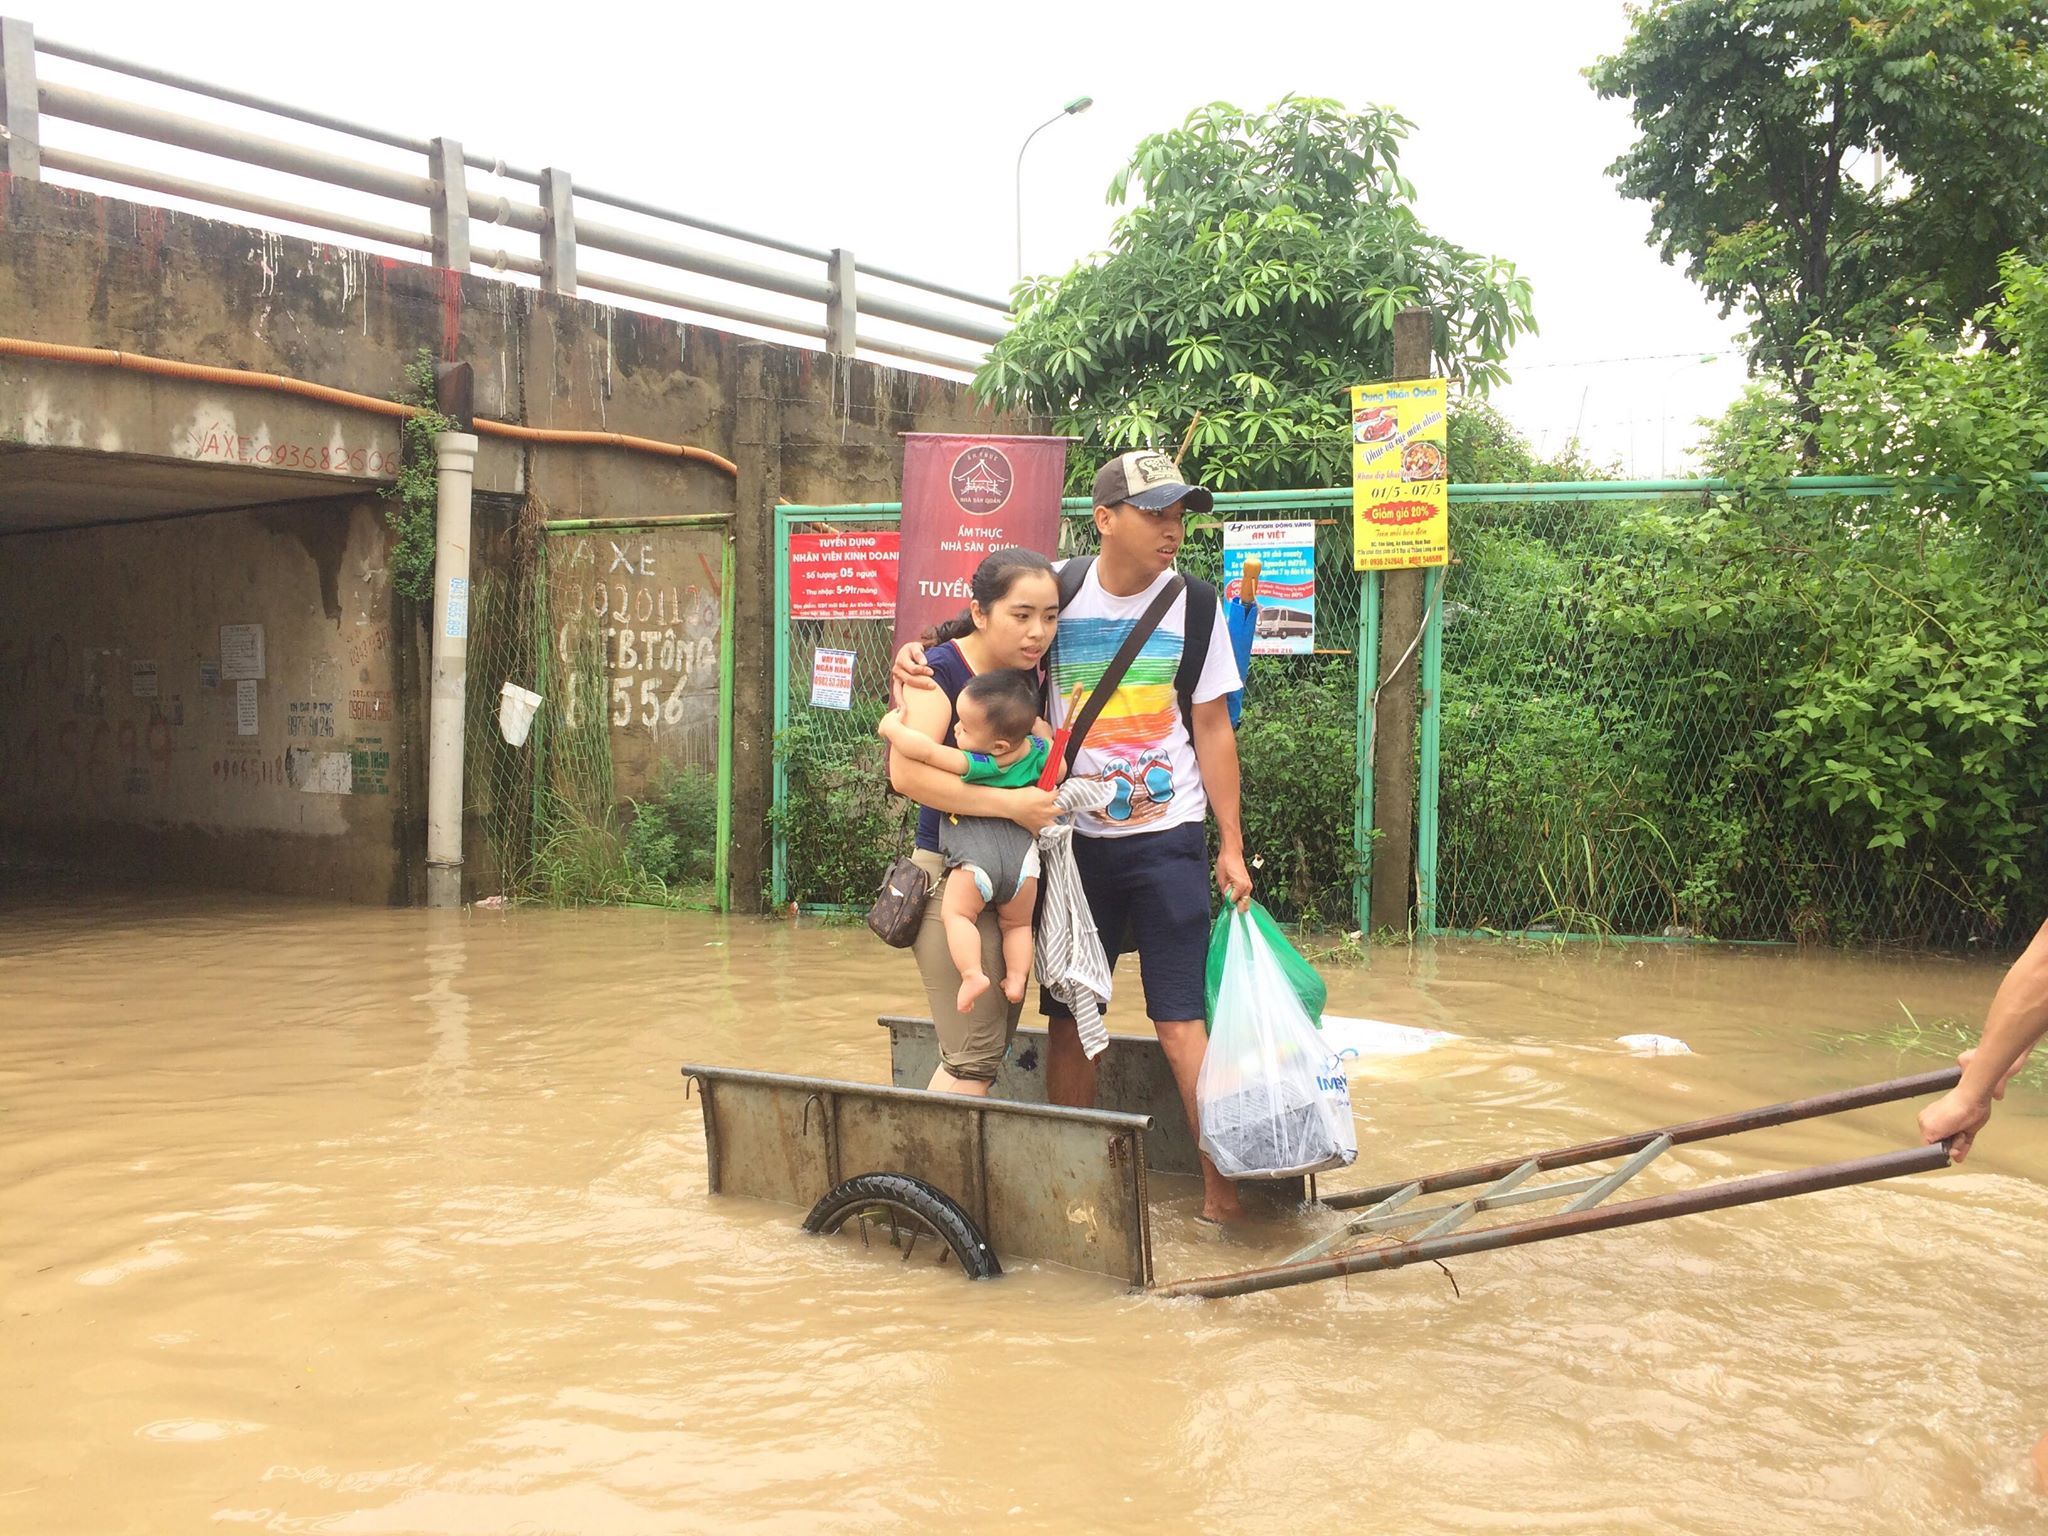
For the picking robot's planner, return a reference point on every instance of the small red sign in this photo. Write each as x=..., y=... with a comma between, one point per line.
x=842, y=575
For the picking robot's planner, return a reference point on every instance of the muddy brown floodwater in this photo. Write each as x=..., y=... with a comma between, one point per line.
x=319, y=1219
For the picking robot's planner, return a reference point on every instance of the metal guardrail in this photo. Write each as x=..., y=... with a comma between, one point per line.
x=830, y=279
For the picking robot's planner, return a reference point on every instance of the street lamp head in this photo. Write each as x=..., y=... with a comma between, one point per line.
x=1078, y=104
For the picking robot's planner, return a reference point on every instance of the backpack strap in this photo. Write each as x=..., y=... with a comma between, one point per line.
x=1113, y=674
x=1203, y=604
x=1202, y=608
x=1070, y=577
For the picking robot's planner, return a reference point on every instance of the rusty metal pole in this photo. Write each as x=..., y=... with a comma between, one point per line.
x=1396, y=715
x=1686, y=1202
x=1820, y=1105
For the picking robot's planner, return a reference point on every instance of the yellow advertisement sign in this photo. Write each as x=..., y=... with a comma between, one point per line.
x=1400, y=475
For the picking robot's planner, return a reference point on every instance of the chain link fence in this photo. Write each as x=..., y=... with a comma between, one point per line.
x=1623, y=683
x=1614, y=687
x=837, y=825
x=620, y=792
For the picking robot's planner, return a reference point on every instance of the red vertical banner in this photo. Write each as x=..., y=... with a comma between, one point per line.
x=962, y=497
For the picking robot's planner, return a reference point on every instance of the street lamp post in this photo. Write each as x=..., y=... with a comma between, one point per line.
x=1078, y=104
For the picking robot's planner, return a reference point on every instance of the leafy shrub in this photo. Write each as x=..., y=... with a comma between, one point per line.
x=673, y=835
x=1297, y=745
x=841, y=821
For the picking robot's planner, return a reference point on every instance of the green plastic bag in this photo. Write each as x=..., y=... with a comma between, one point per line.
x=1301, y=976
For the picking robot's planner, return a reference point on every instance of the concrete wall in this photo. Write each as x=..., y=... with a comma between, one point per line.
x=127, y=740
x=84, y=270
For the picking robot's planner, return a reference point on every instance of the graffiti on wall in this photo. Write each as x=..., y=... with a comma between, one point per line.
x=645, y=609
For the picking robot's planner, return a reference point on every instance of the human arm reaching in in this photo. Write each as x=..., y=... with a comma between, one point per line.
x=2017, y=1021
x=909, y=670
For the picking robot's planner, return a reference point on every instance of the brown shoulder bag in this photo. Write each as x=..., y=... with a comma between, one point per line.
x=898, y=911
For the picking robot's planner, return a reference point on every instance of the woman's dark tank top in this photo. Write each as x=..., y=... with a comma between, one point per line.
x=951, y=672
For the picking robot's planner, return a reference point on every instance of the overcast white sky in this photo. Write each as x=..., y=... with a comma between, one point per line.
x=893, y=130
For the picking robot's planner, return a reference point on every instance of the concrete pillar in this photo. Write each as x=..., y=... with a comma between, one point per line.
x=450, y=214
x=557, y=232
x=842, y=306
x=757, y=451
x=21, y=148
x=455, y=468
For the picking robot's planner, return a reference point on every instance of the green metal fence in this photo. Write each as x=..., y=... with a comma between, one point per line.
x=1615, y=691
x=1582, y=769
x=836, y=826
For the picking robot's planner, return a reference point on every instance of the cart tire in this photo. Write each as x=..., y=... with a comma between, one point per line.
x=933, y=1207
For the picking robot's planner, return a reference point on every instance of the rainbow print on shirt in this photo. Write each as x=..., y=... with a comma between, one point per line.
x=1129, y=737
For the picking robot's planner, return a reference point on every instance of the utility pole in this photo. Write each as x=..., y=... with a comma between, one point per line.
x=1396, y=716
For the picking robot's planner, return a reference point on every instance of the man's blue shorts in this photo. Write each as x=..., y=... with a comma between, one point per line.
x=1151, y=888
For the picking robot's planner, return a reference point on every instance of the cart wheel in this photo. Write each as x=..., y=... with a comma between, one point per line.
x=909, y=1210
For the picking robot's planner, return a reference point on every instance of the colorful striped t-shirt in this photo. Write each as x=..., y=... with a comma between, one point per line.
x=1139, y=743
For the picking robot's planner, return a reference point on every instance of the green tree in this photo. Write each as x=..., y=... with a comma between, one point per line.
x=1848, y=166
x=1258, y=276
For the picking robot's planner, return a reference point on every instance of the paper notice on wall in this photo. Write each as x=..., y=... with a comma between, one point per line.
x=209, y=674
x=832, y=679
x=843, y=575
x=241, y=652
x=245, y=707
x=319, y=773
x=142, y=679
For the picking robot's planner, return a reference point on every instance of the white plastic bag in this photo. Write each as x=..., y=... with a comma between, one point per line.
x=1272, y=1095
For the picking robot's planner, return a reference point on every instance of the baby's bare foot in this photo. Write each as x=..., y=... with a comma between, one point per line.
x=972, y=986
x=1013, y=988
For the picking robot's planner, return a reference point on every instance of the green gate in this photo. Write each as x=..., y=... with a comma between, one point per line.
x=836, y=825
x=622, y=792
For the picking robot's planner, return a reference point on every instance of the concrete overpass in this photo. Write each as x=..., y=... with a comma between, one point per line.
x=152, y=528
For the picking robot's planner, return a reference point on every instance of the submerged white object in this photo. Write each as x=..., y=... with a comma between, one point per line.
x=1374, y=1037
x=1653, y=1045
x=516, y=706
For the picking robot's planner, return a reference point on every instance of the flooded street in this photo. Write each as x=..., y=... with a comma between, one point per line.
x=352, y=1220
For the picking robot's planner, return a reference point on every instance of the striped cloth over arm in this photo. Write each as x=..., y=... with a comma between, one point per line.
x=1072, y=964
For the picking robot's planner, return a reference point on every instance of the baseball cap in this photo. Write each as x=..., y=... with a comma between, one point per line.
x=1147, y=479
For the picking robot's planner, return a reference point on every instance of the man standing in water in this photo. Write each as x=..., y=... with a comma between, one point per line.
x=1169, y=754
x=1171, y=758
x=2017, y=1021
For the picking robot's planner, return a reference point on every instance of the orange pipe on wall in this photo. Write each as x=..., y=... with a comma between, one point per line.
x=277, y=383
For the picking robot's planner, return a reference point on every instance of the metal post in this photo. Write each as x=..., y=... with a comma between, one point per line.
x=722, y=872
x=1393, y=809
x=1368, y=685
x=1427, y=791
x=841, y=305
x=20, y=137
x=455, y=469
x=543, y=682
x=1725, y=1195
x=450, y=211
x=557, y=231
x=778, y=685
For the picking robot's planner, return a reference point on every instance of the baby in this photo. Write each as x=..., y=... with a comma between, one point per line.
x=987, y=859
